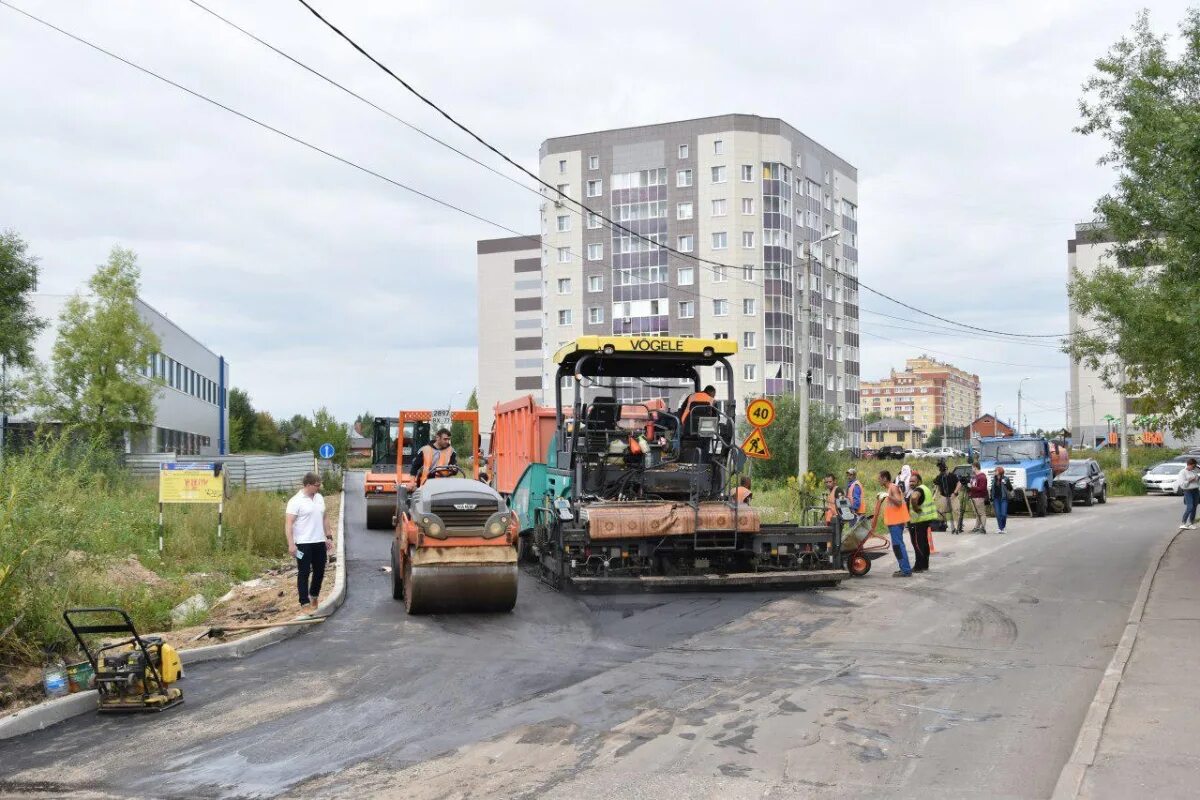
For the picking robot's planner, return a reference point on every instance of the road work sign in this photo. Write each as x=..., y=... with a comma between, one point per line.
x=325, y=451
x=190, y=483
x=755, y=445
x=760, y=412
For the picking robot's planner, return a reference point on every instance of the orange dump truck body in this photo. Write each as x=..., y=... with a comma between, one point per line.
x=521, y=436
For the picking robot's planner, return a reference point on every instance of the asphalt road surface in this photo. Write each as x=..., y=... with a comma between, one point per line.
x=970, y=681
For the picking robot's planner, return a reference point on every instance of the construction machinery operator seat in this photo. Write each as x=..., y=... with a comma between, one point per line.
x=701, y=427
x=603, y=413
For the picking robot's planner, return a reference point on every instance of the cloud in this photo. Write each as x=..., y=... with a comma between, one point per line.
x=322, y=285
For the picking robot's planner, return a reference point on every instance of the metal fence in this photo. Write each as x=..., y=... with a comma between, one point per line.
x=261, y=473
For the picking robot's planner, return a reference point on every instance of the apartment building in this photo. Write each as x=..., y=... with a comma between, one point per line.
x=928, y=393
x=510, y=322
x=718, y=213
x=191, y=411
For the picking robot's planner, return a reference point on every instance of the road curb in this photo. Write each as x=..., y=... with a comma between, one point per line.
x=52, y=712
x=1070, y=780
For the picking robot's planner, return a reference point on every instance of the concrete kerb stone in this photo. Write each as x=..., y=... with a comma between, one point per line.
x=52, y=712
x=1070, y=780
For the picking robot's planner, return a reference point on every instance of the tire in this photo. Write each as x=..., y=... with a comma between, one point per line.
x=1103, y=498
x=858, y=565
x=1091, y=497
x=397, y=581
x=1041, y=508
x=1068, y=503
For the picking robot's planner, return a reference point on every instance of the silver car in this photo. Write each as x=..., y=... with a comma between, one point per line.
x=1164, y=478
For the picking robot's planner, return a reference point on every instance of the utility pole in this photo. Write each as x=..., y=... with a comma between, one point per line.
x=1093, y=436
x=1020, y=386
x=1124, y=418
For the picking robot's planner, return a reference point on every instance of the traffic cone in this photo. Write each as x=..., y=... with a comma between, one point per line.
x=932, y=548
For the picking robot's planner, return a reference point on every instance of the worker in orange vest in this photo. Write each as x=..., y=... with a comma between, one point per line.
x=438, y=453
x=855, y=493
x=702, y=398
x=895, y=516
x=742, y=493
x=832, y=493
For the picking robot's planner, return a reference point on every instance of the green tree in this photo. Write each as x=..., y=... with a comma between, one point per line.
x=97, y=378
x=1144, y=102
x=241, y=420
x=294, y=432
x=365, y=422
x=267, y=437
x=871, y=417
x=783, y=440
x=18, y=324
x=934, y=439
x=325, y=428
x=460, y=433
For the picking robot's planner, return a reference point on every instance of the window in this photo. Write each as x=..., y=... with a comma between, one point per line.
x=720, y=373
x=593, y=162
x=828, y=203
x=720, y=308
x=595, y=252
x=686, y=277
x=564, y=190
x=564, y=223
x=747, y=272
x=747, y=205
x=564, y=285
x=687, y=309
x=748, y=239
x=718, y=174
x=595, y=315
x=720, y=240
x=748, y=307
x=828, y=322
x=721, y=335
x=683, y=151
x=594, y=188
x=562, y=166
x=718, y=208
x=683, y=177
x=564, y=316
x=564, y=255
x=799, y=163
x=683, y=211
x=718, y=146
x=749, y=340
x=747, y=173
x=686, y=244
x=593, y=220
x=750, y=372
x=718, y=274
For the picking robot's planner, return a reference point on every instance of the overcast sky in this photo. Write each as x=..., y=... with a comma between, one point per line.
x=322, y=285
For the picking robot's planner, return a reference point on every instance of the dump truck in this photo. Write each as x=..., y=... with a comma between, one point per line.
x=628, y=495
x=454, y=547
x=1033, y=465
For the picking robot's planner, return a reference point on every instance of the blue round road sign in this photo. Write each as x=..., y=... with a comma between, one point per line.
x=325, y=451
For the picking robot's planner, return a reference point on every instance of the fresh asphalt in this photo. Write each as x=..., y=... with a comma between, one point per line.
x=969, y=681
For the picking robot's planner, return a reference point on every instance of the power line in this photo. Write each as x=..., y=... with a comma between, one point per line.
x=955, y=355
x=614, y=224
x=958, y=333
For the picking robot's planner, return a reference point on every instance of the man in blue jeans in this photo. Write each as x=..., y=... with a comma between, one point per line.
x=895, y=517
x=999, y=493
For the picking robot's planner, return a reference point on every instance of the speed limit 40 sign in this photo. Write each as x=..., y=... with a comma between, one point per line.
x=760, y=413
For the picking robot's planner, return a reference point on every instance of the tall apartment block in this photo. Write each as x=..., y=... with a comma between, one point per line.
x=510, y=321
x=739, y=197
x=928, y=393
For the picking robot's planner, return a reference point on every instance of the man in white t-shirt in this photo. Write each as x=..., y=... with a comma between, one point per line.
x=309, y=539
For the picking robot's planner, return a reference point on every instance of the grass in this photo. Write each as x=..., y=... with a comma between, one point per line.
x=76, y=530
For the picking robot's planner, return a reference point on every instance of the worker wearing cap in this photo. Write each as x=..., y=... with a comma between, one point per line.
x=947, y=484
x=436, y=454
x=855, y=493
x=702, y=398
x=742, y=494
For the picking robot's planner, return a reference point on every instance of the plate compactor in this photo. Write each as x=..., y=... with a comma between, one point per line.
x=135, y=673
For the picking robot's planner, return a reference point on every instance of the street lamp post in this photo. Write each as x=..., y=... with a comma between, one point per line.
x=1020, y=385
x=1093, y=435
x=801, y=378
x=996, y=419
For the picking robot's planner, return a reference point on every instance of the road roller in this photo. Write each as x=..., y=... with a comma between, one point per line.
x=455, y=548
x=379, y=486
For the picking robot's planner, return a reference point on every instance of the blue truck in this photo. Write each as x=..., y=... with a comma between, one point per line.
x=1032, y=464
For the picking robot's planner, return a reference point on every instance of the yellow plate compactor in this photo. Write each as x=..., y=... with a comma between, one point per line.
x=134, y=673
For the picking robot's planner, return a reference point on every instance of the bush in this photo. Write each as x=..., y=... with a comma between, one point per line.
x=1125, y=482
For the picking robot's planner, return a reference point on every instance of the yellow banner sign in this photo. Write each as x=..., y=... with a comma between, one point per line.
x=190, y=483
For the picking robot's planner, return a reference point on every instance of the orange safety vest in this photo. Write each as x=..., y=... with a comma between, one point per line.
x=431, y=457
x=695, y=399
x=742, y=495
x=893, y=514
x=831, y=505
x=861, y=508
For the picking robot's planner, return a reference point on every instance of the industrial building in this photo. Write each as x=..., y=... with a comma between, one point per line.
x=928, y=393
x=191, y=413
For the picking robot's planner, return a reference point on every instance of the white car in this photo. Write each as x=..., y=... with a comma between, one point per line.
x=1164, y=478
x=915, y=452
x=945, y=452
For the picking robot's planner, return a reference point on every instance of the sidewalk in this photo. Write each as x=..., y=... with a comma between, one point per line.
x=1150, y=744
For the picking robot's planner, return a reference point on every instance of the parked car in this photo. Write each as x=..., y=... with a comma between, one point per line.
x=890, y=451
x=1164, y=478
x=914, y=452
x=945, y=453
x=1088, y=483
